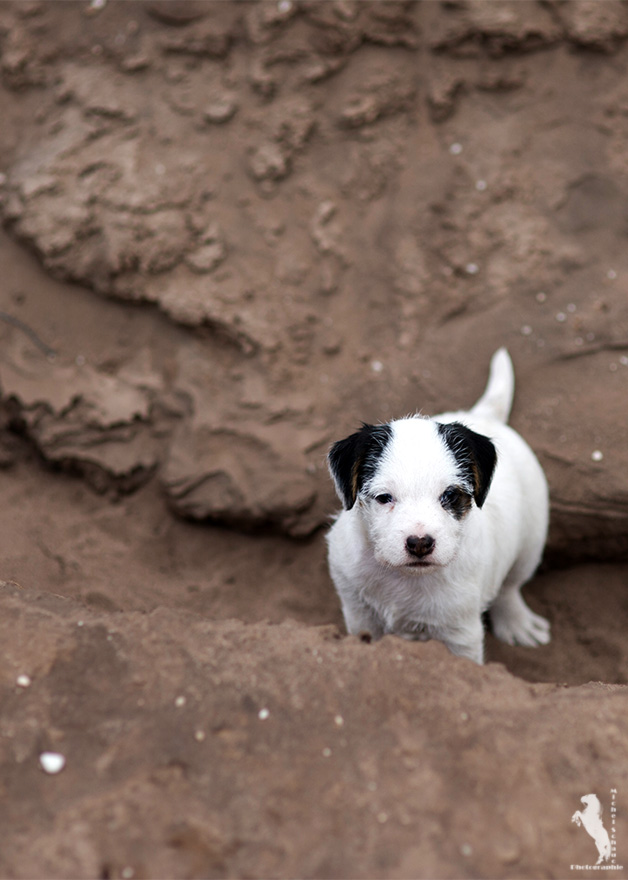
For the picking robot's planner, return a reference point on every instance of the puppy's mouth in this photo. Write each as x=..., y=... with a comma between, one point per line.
x=419, y=563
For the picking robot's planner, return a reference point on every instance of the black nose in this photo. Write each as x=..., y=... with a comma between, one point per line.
x=420, y=547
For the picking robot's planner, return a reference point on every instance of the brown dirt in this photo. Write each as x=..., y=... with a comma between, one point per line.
x=231, y=232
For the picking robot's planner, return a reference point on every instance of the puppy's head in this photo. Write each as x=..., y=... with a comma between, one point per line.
x=414, y=481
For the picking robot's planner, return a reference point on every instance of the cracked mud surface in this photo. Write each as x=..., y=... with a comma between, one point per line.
x=230, y=233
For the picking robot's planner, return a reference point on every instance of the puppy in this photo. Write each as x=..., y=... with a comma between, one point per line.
x=443, y=518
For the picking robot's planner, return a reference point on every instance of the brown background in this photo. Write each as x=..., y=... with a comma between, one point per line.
x=231, y=232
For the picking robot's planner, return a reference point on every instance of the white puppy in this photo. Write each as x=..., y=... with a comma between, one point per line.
x=441, y=523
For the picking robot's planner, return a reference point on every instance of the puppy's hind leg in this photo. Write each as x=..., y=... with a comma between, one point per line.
x=514, y=623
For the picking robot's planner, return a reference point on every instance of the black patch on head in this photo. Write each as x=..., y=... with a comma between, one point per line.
x=475, y=456
x=353, y=461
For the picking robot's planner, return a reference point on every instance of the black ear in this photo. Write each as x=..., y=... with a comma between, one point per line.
x=475, y=454
x=353, y=461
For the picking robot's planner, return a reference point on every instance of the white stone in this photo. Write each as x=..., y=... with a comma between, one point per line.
x=52, y=762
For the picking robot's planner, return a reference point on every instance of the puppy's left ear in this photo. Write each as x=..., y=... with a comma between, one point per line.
x=352, y=461
x=475, y=455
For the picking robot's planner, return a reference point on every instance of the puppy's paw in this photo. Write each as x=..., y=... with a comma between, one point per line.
x=514, y=623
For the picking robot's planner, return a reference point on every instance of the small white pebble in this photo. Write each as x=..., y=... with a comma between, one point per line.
x=326, y=753
x=339, y=721
x=52, y=762
x=199, y=735
x=382, y=818
x=128, y=873
x=180, y=701
x=377, y=366
x=455, y=149
x=480, y=185
x=541, y=296
x=464, y=716
x=23, y=681
x=526, y=330
x=612, y=274
x=472, y=268
x=98, y=4
x=284, y=5
x=561, y=317
x=466, y=849
x=263, y=714
x=597, y=455
x=612, y=367
x=80, y=623
x=623, y=360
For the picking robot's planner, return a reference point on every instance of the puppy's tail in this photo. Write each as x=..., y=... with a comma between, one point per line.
x=496, y=401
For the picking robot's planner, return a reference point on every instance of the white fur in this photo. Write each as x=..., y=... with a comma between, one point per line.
x=478, y=562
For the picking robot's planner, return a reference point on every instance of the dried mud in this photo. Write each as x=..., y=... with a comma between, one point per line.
x=230, y=233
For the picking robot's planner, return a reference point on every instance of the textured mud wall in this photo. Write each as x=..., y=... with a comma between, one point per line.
x=436, y=179
x=231, y=231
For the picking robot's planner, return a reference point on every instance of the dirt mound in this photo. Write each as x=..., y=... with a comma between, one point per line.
x=231, y=232
x=201, y=749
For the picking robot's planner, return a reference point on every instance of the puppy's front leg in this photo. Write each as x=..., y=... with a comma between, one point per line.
x=466, y=639
x=360, y=618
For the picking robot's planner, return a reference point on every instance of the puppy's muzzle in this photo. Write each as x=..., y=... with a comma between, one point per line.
x=420, y=547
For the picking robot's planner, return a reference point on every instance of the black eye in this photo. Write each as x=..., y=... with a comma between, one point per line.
x=456, y=501
x=450, y=495
x=384, y=498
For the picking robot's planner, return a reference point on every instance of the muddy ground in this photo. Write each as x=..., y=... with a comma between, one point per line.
x=231, y=231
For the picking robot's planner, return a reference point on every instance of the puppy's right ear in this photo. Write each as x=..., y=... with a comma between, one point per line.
x=353, y=461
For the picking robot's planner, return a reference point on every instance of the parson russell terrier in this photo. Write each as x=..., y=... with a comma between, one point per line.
x=443, y=518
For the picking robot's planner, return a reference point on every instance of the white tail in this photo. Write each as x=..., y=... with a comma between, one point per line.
x=496, y=401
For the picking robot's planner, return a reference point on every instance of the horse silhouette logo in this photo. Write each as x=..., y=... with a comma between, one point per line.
x=591, y=819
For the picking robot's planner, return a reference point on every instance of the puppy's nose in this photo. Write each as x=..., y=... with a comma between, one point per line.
x=420, y=546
